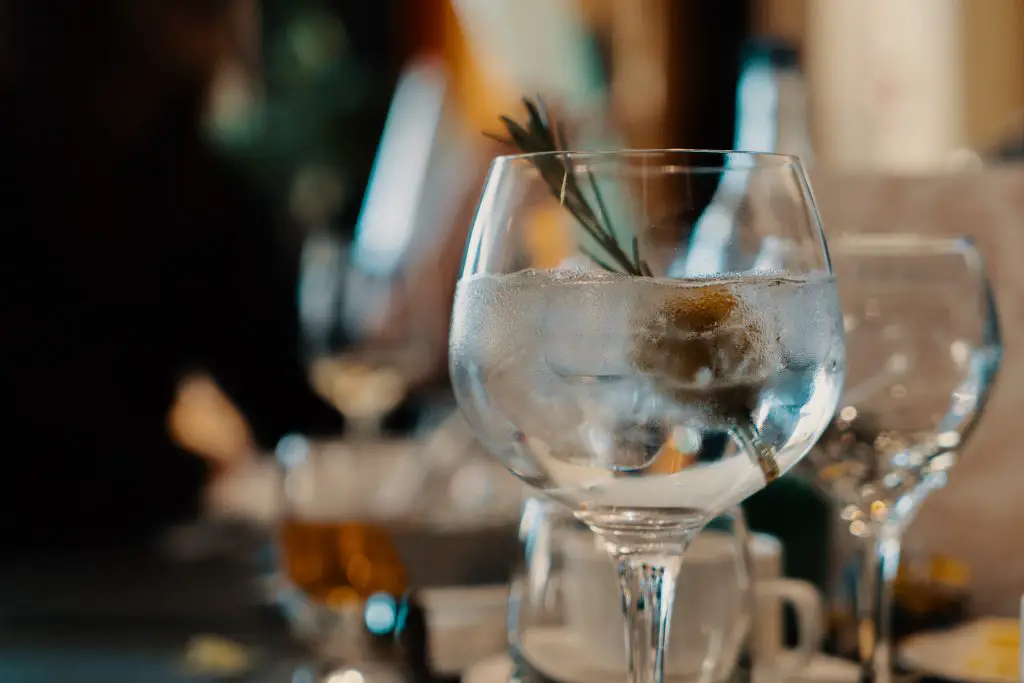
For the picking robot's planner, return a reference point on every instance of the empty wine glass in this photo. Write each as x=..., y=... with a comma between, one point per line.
x=370, y=337
x=924, y=348
x=590, y=362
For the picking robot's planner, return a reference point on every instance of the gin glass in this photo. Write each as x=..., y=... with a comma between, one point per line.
x=595, y=344
x=924, y=345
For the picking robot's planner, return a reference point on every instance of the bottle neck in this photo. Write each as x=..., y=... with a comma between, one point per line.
x=793, y=128
x=772, y=111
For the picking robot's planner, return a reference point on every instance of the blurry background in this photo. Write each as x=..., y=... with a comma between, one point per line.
x=205, y=198
x=359, y=125
x=302, y=98
x=365, y=124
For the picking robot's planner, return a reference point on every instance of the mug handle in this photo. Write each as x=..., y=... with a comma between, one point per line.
x=808, y=605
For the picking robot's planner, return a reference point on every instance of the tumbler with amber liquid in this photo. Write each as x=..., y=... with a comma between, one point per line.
x=335, y=542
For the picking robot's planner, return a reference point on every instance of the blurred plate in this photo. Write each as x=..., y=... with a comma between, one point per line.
x=465, y=625
x=983, y=651
x=822, y=669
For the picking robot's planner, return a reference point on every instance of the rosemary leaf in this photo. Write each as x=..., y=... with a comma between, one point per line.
x=541, y=133
x=538, y=123
x=596, y=260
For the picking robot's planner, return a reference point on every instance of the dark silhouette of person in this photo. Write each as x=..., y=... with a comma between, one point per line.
x=131, y=254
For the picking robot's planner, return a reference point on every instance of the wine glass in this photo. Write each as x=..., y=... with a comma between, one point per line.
x=591, y=360
x=370, y=337
x=924, y=350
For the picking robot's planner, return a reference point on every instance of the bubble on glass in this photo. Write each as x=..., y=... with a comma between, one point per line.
x=892, y=332
x=872, y=309
x=941, y=463
x=960, y=352
x=898, y=391
x=898, y=363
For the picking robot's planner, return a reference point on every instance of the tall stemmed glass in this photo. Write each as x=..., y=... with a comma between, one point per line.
x=924, y=348
x=589, y=363
x=370, y=339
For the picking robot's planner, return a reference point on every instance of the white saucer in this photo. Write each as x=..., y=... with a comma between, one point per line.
x=557, y=653
x=960, y=654
x=466, y=624
x=494, y=669
x=823, y=669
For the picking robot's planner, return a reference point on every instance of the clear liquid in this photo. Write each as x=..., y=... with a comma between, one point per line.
x=599, y=388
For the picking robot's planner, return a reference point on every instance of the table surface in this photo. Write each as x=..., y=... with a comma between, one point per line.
x=129, y=615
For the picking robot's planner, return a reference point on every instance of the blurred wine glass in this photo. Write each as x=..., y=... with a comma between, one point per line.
x=370, y=339
x=925, y=348
x=375, y=312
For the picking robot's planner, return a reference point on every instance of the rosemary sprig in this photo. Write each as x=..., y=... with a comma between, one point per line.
x=541, y=133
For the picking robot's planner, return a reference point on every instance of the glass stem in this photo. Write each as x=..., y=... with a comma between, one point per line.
x=365, y=428
x=880, y=560
x=647, y=579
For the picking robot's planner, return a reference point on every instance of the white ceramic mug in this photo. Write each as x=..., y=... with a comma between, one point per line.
x=711, y=616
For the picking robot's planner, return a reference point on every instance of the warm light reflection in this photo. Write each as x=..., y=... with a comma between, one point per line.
x=341, y=563
x=346, y=676
x=205, y=421
x=358, y=390
x=547, y=239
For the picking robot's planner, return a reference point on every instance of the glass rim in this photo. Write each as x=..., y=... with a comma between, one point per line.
x=712, y=155
x=908, y=245
x=901, y=242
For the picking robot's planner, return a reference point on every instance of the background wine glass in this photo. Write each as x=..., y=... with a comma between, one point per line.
x=370, y=338
x=587, y=383
x=923, y=350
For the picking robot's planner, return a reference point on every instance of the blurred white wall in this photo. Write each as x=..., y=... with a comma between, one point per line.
x=901, y=85
x=887, y=82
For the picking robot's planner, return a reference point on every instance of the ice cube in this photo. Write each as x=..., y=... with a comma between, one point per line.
x=586, y=325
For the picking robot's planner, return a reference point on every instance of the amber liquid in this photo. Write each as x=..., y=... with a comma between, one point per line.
x=341, y=563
